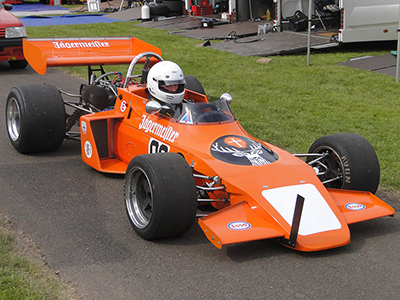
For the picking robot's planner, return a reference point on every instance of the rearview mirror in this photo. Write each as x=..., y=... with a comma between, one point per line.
x=226, y=97
x=153, y=107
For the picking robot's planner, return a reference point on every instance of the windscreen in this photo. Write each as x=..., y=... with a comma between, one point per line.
x=203, y=112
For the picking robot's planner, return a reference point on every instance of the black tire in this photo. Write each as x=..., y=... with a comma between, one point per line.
x=160, y=195
x=350, y=157
x=18, y=64
x=193, y=84
x=174, y=7
x=157, y=10
x=35, y=117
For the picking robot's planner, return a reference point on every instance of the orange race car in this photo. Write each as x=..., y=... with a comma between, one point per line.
x=186, y=156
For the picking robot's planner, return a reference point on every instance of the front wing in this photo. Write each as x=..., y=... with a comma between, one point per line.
x=240, y=223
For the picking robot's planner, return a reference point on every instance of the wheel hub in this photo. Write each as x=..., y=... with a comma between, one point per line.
x=13, y=119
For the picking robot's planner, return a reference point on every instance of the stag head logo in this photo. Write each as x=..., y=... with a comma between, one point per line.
x=232, y=147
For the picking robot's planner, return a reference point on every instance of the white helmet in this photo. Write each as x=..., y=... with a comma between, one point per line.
x=163, y=75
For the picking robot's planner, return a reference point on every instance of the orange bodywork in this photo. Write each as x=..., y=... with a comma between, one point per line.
x=261, y=198
x=250, y=187
x=55, y=52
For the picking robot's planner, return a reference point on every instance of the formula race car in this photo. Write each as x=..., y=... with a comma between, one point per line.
x=194, y=160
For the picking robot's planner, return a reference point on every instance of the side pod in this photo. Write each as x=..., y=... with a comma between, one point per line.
x=96, y=134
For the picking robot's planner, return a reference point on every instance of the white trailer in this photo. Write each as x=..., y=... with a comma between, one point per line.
x=360, y=20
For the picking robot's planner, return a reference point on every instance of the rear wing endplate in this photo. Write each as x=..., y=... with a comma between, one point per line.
x=56, y=52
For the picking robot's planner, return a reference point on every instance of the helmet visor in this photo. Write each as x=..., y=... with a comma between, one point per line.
x=172, y=86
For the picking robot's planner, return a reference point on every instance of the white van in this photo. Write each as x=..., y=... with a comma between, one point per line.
x=357, y=20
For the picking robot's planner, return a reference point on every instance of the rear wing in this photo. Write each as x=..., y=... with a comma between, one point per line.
x=56, y=52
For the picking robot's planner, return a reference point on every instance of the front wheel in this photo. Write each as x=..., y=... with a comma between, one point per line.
x=345, y=161
x=35, y=117
x=160, y=195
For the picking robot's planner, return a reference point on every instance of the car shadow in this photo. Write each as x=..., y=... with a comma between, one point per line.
x=7, y=70
x=379, y=229
x=68, y=148
x=360, y=233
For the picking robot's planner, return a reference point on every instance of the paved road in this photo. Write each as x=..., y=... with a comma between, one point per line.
x=76, y=215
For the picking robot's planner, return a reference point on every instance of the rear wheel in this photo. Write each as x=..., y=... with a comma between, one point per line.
x=348, y=162
x=193, y=84
x=18, y=64
x=160, y=195
x=35, y=117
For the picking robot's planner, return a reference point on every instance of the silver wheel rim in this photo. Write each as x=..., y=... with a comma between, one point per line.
x=139, y=197
x=13, y=119
x=336, y=165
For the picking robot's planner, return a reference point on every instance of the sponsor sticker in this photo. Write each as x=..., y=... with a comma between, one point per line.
x=187, y=118
x=239, y=225
x=80, y=44
x=88, y=149
x=355, y=206
x=166, y=133
x=84, y=127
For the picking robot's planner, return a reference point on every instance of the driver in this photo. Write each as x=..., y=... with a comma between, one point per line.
x=166, y=83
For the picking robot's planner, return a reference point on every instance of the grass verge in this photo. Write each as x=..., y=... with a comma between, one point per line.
x=21, y=276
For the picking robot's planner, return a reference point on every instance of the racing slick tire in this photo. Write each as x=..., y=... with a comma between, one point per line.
x=160, y=195
x=351, y=158
x=35, y=118
x=193, y=84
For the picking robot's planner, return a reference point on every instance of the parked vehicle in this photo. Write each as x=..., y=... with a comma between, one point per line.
x=12, y=1
x=12, y=31
x=348, y=20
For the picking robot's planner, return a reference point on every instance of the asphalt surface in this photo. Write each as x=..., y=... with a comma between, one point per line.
x=77, y=217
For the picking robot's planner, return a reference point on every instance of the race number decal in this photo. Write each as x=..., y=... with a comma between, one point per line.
x=123, y=106
x=157, y=146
